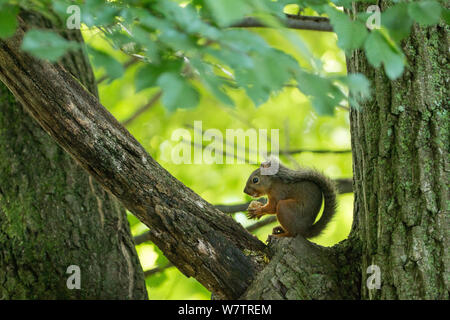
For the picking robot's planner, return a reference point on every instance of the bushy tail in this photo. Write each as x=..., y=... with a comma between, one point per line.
x=329, y=193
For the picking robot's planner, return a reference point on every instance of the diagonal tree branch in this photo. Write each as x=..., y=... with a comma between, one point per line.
x=151, y=272
x=250, y=228
x=126, y=65
x=199, y=239
x=153, y=100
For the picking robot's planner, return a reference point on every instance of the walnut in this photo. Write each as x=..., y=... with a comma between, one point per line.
x=254, y=205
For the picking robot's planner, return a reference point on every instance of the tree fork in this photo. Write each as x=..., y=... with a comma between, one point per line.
x=200, y=240
x=197, y=238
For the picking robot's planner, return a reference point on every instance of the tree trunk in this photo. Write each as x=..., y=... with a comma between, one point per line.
x=400, y=163
x=54, y=215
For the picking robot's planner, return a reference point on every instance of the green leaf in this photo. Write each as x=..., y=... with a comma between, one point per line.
x=142, y=37
x=325, y=96
x=98, y=12
x=234, y=59
x=397, y=20
x=187, y=19
x=211, y=81
x=176, y=39
x=177, y=92
x=425, y=13
x=358, y=86
x=258, y=68
x=8, y=20
x=46, y=44
x=446, y=15
x=378, y=51
x=313, y=85
x=351, y=34
x=394, y=66
x=147, y=76
x=101, y=59
x=324, y=106
x=226, y=12
x=358, y=83
x=274, y=69
x=243, y=40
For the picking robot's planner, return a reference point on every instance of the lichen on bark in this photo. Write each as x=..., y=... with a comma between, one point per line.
x=400, y=160
x=53, y=215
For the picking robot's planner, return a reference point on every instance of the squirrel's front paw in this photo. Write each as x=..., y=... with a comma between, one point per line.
x=254, y=213
x=254, y=210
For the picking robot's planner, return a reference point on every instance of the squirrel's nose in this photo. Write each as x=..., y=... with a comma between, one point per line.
x=246, y=190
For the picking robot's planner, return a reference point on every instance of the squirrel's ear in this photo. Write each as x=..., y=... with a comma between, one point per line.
x=266, y=164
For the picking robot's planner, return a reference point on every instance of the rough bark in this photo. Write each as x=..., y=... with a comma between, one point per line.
x=53, y=215
x=401, y=164
x=200, y=240
x=301, y=270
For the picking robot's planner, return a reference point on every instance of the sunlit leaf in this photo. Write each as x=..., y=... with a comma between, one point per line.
x=425, y=12
x=177, y=92
x=228, y=11
x=112, y=67
x=397, y=20
x=46, y=44
x=379, y=51
x=351, y=34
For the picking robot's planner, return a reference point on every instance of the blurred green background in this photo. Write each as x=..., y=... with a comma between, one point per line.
x=289, y=111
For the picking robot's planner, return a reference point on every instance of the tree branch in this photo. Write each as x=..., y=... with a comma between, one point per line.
x=343, y=186
x=144, y=237
x=151, y=272
x=144, y=108
x=199, y=239
x=292, y=22
x=126, y=65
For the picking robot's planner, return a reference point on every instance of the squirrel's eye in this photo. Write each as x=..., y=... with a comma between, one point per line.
x=255, y=180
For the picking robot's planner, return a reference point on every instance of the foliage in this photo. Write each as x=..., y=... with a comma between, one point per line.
x=46, y=44
x=290, y=112
x=186, y=42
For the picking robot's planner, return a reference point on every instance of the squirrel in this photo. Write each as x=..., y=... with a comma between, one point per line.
x=295, y=197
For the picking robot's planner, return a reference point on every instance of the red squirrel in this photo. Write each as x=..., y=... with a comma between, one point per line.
x=295, y=197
